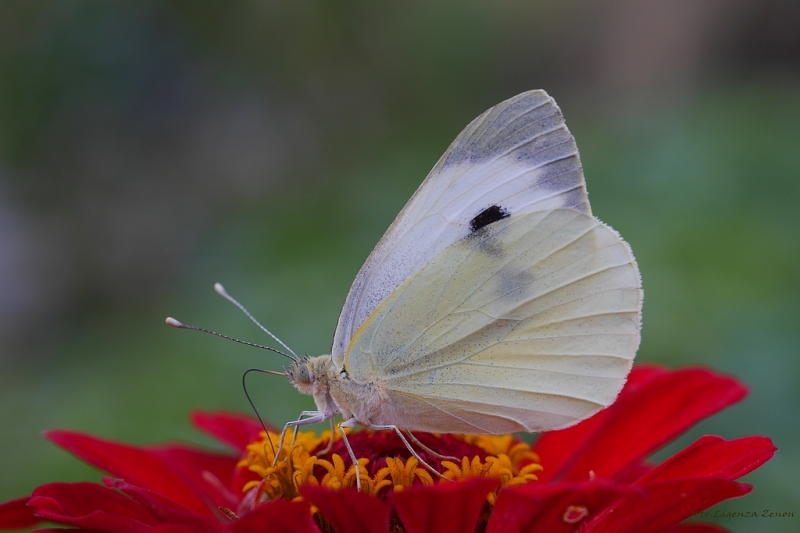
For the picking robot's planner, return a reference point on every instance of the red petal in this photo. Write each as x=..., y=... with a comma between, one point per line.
x=277, y=516
x=714, y=457
x=207, y=473
x=647, y=417
x=232, y=428
x=558, y=507
x=444, y=508
x=137, y=466
x=557, y=448
x=17, y=515
x=348, y=510
x=172, y=528
x=62, y=530
x=90, y=506
x=166, y=510
x=664, y=504
x=633, y=472
x=696, y=527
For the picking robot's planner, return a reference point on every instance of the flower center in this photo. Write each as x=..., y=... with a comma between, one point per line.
x=385, y=465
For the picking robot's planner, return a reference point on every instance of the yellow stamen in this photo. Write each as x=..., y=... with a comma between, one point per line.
x=512, y=462
x=519, y=452
x=499, y=467
x=402, y=475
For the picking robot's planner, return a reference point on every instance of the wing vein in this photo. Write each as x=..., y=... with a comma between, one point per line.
x=510, y=389
x=471, y=188
x=466, y=361
x=496, y=132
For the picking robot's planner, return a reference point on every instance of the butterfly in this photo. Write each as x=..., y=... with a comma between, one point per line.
x=494, y=303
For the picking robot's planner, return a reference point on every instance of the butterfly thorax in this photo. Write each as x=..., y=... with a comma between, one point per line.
x=335, y=392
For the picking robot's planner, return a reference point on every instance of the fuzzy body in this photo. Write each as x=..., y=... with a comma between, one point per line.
x=334, y=392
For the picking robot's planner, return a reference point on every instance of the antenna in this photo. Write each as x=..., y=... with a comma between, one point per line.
x=180, y=325
x=222, y=292
x=253, y=405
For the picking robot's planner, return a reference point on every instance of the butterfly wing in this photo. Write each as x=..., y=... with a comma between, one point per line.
x=518, y=157
x=530, y=323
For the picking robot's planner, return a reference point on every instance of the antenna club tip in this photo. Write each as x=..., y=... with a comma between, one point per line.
x=220, y=289
x=174, y=323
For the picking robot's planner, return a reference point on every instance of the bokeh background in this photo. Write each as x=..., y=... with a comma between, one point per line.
x=150, y=149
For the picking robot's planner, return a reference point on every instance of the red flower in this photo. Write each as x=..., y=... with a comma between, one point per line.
x=595, y=477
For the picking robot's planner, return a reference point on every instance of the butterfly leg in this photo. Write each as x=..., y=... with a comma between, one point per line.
x=349, y=423
x=313, y=418
x=439, y=456
x=408, y=446
x=329, y=446
x=302, y=415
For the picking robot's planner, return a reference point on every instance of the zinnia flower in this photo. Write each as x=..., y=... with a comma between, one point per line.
x=592, y=477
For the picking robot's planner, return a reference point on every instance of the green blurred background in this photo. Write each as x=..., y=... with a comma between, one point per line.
x=150, y=149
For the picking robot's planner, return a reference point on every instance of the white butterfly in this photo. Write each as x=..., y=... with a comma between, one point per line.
x=494, y=303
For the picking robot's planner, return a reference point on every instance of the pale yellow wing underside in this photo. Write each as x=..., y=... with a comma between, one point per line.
x=528, y=324
x=517, y=156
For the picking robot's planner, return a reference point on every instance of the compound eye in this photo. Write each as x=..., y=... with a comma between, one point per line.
x=302, y=375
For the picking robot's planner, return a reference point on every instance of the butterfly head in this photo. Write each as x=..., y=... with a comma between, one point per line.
x=315, y=376
x=301, y=375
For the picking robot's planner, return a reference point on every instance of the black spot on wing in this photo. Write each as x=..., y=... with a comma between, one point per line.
x=487, y=216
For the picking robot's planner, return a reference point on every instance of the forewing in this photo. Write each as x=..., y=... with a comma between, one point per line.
x=530, y=323
x=516, y=158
